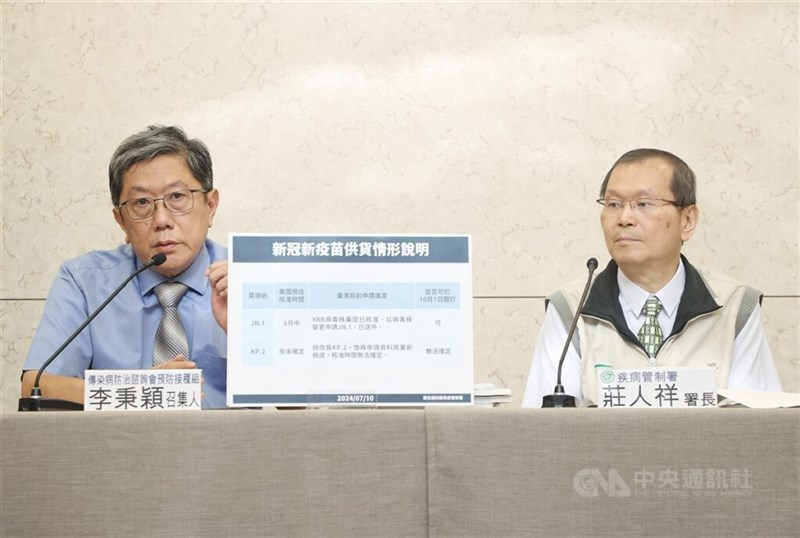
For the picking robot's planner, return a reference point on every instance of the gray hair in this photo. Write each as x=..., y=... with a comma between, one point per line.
x=683, y=184
x=154, y=141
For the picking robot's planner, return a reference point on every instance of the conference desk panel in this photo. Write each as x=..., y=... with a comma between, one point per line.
x=594, y=472
x=214, y=473
x=433, y=472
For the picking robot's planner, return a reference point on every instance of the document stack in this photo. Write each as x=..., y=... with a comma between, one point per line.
x=487, y=395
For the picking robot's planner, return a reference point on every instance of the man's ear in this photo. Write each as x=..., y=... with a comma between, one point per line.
x=213, y=203
x=689, y=218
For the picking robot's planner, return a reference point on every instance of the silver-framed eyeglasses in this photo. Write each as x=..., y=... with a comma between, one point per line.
x=177, y=202
x=637, y=205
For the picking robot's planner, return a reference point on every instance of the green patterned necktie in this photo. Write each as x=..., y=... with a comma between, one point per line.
x=650, y=334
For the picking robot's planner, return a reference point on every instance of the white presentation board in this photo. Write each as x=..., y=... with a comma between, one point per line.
x=349, y=320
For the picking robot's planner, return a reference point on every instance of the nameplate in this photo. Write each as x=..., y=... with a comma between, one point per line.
x=349, y=320
x=142, y=390
x=656, y=388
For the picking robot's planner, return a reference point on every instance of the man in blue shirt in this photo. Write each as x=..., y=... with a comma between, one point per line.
x=164, y=200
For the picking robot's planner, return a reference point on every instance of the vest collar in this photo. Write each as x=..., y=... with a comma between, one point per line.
x=603, y=301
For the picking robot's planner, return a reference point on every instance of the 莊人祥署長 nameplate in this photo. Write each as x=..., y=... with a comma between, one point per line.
x=349, y=320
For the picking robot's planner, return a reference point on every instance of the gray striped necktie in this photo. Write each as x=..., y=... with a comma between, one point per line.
x=170, y=336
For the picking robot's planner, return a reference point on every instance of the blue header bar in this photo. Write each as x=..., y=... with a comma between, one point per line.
x=349, y=249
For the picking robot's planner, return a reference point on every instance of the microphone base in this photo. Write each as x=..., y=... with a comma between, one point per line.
x=558, y=400
x=47, y=404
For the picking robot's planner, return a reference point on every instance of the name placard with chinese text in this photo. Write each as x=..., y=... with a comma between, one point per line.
x=659, y=388
x=142, y=390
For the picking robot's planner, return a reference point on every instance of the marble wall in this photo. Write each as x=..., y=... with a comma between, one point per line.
x=494, y=119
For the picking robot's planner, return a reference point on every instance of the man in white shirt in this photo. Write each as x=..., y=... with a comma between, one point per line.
x=703, y=318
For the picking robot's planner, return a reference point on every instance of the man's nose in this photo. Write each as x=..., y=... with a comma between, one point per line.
x=627, y=215
x=162, y=217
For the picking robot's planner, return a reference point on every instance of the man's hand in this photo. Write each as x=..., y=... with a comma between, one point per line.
x=217, y=274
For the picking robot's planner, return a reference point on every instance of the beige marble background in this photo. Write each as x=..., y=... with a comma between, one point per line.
x=494, y=119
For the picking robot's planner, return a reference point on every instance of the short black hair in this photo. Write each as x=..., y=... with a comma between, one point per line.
x=683, y=184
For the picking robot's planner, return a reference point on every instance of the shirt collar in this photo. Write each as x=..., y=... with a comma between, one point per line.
x=193, y=276
x=634, y=297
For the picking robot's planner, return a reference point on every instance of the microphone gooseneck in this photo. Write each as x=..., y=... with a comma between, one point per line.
x=559, y=398
x=36, y=392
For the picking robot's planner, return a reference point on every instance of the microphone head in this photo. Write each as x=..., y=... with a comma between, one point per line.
x=160, y=258
x=591, y=264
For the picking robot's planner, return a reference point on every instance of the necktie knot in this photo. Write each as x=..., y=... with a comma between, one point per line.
x=170, y=293
x=652, y=306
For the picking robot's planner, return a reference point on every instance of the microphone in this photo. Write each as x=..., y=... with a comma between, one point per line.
x=559, y=398
x=35, y=402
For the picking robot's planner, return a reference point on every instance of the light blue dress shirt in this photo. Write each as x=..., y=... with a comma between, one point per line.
x=121, y=336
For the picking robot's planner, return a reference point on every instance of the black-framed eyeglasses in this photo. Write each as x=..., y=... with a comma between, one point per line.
x=638, y=205
x=177, y=202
